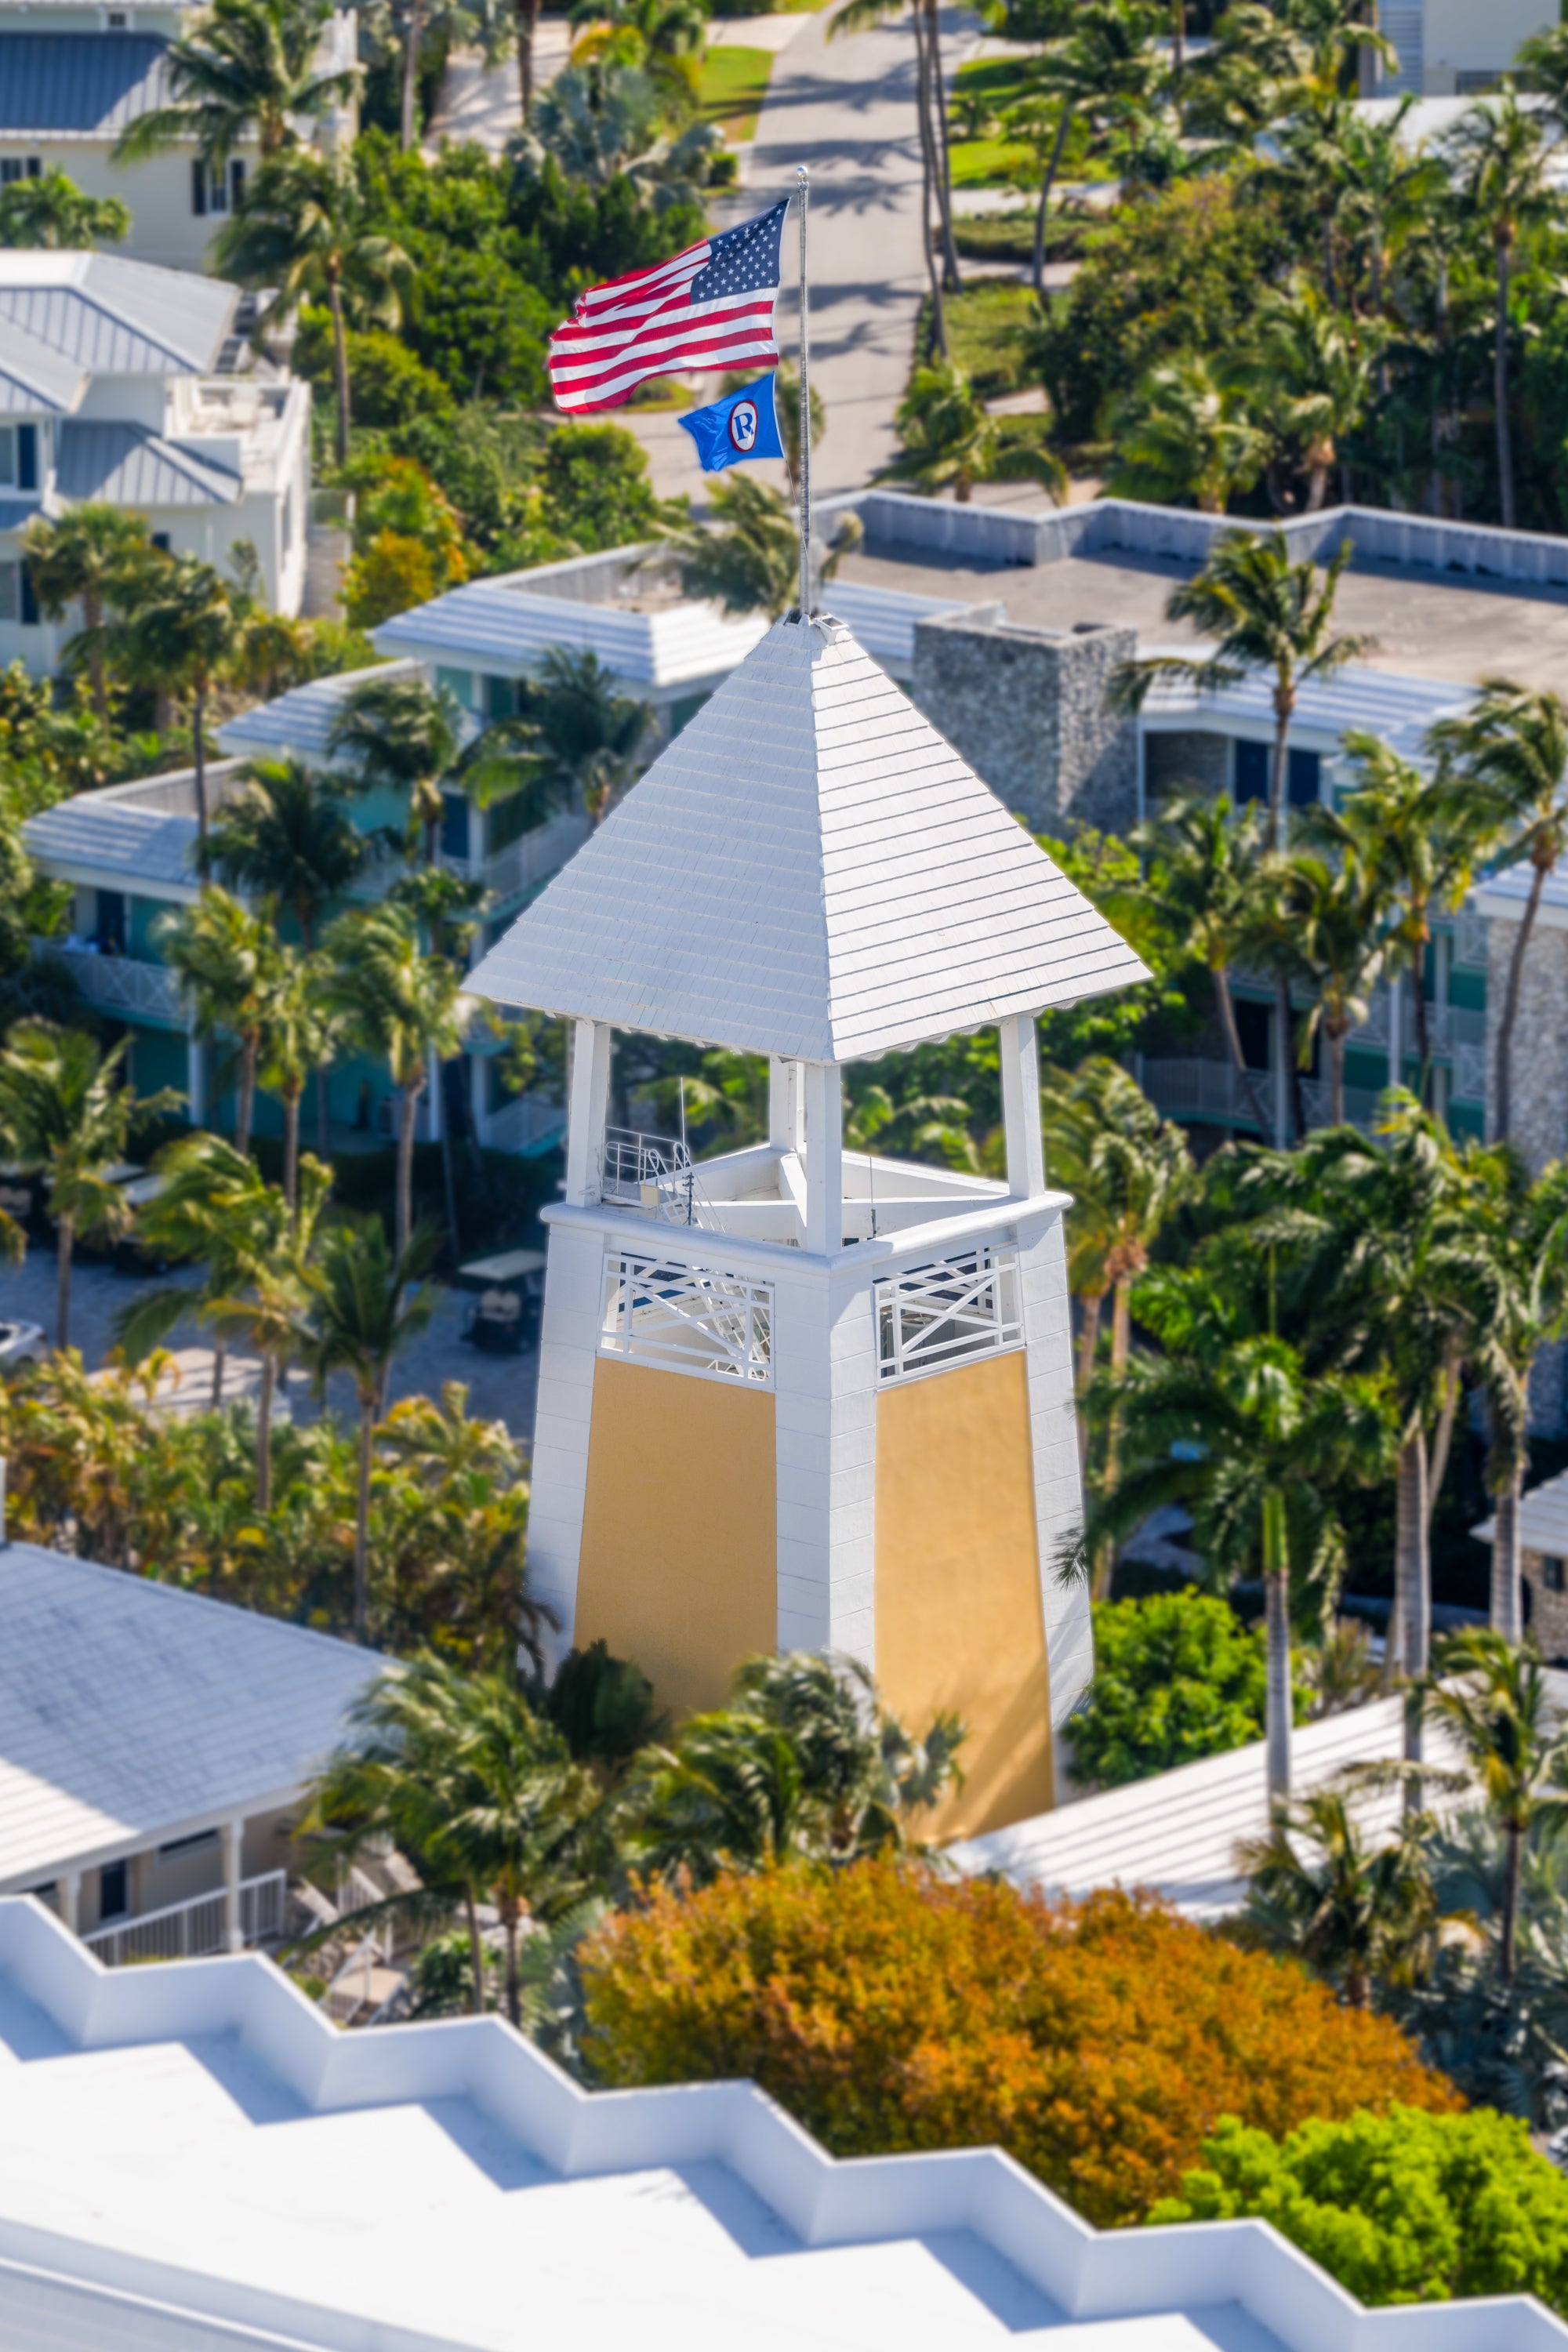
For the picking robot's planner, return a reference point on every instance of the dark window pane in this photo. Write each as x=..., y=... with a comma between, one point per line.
x=113, y=1897
x=1303, y=778
x=1252, y=771
x=454, y=825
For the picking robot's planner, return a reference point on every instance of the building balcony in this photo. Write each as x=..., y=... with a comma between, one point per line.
x=199, y=1926
x=120, y=986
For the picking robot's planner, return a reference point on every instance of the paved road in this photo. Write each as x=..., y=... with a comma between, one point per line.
x=846, y=109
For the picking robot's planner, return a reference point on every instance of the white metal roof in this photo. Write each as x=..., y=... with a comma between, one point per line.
x=807, y=870
x=1504, y=895
x=1542, y=1518
x=114, y=317
x=193, y=2159
x=301, y=721
x=132, y=1710
x=128, y=844
x=1374, y=701
x=504, y=626
x=1179, y=1831
x=34, y=375
x=130, y=466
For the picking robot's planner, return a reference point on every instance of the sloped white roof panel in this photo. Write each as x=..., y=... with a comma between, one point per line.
x=130, y=1710
x=503, y=625
x=142, y=844
x=301, y=721
x=807, y=870
x=1542, y=1519
x=115, y=317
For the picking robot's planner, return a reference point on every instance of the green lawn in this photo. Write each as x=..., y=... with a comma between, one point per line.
x=986, y=330
x=996, y=237
x=733, y=84
x=987, y=163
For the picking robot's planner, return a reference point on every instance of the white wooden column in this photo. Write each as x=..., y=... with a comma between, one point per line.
x=70, y=1899
x=1021, y=1105
x=823, y=1158
x=478, y=1089
x=784, y=1092
x=588, y=1110
x=232, y=1834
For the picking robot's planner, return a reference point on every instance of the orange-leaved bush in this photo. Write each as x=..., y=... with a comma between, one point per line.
x=1098, y=2042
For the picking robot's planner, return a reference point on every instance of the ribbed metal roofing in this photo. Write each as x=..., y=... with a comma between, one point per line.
x=144, y=846
x=807, y=870
x=114, y=317
x=80, y=85
x=33, y=375
x=302, y=720
x=1376, y=701
x=129, y=466
x=497, y=625
x=129, y=1708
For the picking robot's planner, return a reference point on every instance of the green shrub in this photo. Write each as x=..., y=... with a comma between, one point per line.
x=1176, y=1677
x=1401, y=2208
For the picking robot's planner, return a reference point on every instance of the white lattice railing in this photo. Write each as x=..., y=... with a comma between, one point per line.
x=121, y=983
x=183, y=1931
x=688, y=1318
x=1469, y=1072
x=525, y=1121
x=1471, y=939
x=1190, y=1086
x=949, y=1312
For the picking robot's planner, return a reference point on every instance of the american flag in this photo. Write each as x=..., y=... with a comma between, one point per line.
x=709, y=307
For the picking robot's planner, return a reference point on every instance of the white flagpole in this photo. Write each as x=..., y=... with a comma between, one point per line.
x=802, y=187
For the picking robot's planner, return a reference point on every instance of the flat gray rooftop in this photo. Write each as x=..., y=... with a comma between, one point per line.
x=1426, y=623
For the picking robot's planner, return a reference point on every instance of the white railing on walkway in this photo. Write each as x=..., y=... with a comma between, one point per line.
x=525, y=1121
x=185, y=1931
x=1190, y=1086
x=121, y=983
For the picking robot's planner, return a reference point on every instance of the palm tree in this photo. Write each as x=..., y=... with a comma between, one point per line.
x=401, y=1006
x=1333, y=916
x=1491, y=1696
x=306, y=229
x=1203, y=878
x=589, y=736
x=1418, y=835
x=1264, y=613
x=228, y=964
x=1514, y=742
x=748, y=558
x=87, y=556
x=402, y=734
x=53, y=212
x=1502, y=155
x=1389, y=188
x=951, y=441
x=178, y=635
x=1356, y=1914
x=1516, y=1297
x=364, y=1306
x=1182, y=435
x=296, y=1037
x=248, y=67
x=65, y=1116
x=287, y=839
x=856, y=16
x=1310, y=371
x=525, y=1821
x=1237, y=1429
x=1108, y=60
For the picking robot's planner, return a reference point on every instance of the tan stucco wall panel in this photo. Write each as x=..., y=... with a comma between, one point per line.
x=680, y=1534
x=959, y=1620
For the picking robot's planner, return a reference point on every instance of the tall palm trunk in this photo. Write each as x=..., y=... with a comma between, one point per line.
x=291, y=1154
x=1512, y=1870
x=475, y=1953
x=408, y=1112
x=367, y=1400
x=938, y=339
x=411, y=71
x=1336, y=1037
x=340, y=364
x=1284, y=705
x=1038, y=270
x=220, y=1359
x=92, y=622
x=944, y=156
x=1507, y=1612
x=264, y=1430
x=65, y=1236
x=1438, y=1470
x=244, y=1104
x=1499, y=384
x=509, y=1921
x=1509, y=1016
x=1120, y=1348
x=1423, y=1018
x=527, y=18
x=1276, y=1613
x=1411, y=1576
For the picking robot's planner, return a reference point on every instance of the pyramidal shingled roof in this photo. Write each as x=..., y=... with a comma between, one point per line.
x=807, y=870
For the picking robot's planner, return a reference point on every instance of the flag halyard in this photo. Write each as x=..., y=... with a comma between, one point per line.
x=709, y=307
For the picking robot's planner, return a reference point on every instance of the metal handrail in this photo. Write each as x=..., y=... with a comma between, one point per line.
x=167, y=1933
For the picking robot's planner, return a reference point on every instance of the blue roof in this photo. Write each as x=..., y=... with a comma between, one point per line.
x=80, y=83
x=129, y=466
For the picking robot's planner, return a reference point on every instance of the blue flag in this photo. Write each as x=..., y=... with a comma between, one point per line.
x=740, y=427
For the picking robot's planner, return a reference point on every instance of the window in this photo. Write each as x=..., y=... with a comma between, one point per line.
x=1551, y=1574
x=20, y=167
x=235, y=184
x=458, y=683
x=10, y=592
x=27, y=457
x=1301, y=778
x=161, y=542
x=117, y=20
x=1251, y=772
x=454, y=824
x=500, y=697
x=210, y=187
x=198, y=187
x=113, y=1890
x=112, y=922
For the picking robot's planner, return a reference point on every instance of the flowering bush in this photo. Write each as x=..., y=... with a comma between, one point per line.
x=1402, y=2208
x=1100, y=2043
